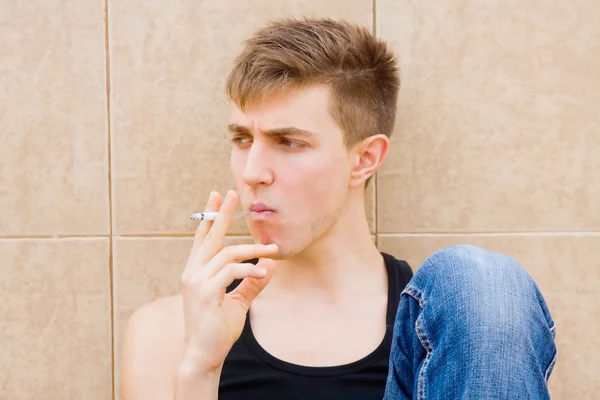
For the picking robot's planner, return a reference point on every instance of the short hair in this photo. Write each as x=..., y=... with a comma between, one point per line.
x=289, y=54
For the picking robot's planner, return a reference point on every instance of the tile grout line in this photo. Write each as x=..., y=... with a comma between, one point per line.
x=110, y=203
x=108, y=236
x=491, y=234
x=375, y=178
x=383, y=234
x=374, y=12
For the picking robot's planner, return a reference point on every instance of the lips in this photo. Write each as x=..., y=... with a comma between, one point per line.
x=260, y=208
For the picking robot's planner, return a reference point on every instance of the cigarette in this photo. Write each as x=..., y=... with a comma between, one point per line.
x=204, y=216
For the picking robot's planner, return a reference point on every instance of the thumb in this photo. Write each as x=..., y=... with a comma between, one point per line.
x=249, y=288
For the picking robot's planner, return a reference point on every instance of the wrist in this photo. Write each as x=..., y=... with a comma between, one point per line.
x=196, y=365
x=196, y=379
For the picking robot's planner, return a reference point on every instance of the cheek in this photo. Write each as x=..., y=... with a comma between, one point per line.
x=321, y=184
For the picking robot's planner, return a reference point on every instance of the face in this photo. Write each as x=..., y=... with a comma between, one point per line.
x=291, y=168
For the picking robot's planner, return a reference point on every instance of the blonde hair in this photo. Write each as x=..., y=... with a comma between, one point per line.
x=289, y=54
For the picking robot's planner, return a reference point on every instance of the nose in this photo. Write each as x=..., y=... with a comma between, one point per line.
x=258, y=168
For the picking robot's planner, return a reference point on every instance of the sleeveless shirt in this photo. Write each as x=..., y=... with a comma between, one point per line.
x=250, y=372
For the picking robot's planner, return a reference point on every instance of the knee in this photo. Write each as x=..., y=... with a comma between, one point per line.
x=477, y=284
x=471, y=298
x=467, y=267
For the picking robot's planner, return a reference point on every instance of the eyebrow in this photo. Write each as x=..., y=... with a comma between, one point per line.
x=286, y=131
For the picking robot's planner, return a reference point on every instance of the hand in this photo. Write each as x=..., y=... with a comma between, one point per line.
x=213, y=319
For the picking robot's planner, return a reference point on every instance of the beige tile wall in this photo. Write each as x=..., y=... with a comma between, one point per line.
x=111, y=124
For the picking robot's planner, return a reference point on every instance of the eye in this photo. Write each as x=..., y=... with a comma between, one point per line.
x=291, y=143
x=239, y=140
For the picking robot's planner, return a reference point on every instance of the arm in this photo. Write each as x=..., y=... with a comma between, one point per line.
x=152, y=363
x=175, y=349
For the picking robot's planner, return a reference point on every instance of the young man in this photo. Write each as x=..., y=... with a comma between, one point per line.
x=313, y=310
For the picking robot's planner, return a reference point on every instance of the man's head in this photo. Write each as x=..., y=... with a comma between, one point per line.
x=313, y=106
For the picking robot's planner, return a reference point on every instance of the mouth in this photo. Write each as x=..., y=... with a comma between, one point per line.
x=260, y=208
x=260, y=211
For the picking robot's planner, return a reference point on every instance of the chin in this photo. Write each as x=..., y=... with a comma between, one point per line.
x=262, y=237
x=291, y=241
x=284, y=248
x=263, y=233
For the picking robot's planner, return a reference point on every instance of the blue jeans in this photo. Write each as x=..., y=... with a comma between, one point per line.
x=471, y=324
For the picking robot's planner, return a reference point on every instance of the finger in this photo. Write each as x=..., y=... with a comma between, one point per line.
x=250, y=287
x=215, y=238
x=231, y=272
x=213, y=204
x=237, y=254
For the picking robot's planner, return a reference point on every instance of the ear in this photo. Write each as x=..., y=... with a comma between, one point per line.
x=368, y=155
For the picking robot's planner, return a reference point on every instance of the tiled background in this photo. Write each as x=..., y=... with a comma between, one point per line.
x=111, y=133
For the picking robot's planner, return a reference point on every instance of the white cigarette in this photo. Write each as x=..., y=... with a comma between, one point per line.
x=204, y=216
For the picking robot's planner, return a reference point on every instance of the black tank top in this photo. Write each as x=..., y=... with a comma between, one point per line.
x=249, y=372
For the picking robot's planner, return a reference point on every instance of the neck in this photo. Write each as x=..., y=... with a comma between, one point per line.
x=344, y=261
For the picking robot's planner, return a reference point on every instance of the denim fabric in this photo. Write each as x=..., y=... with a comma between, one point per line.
x=471, y=324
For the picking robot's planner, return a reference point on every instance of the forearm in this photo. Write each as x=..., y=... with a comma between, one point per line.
x=194, y=382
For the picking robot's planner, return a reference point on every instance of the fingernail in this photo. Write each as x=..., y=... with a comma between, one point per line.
x=272, y=247
x=262, y=271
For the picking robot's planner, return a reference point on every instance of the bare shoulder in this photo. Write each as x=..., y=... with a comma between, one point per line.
x=152, y=346
x=158, y=312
